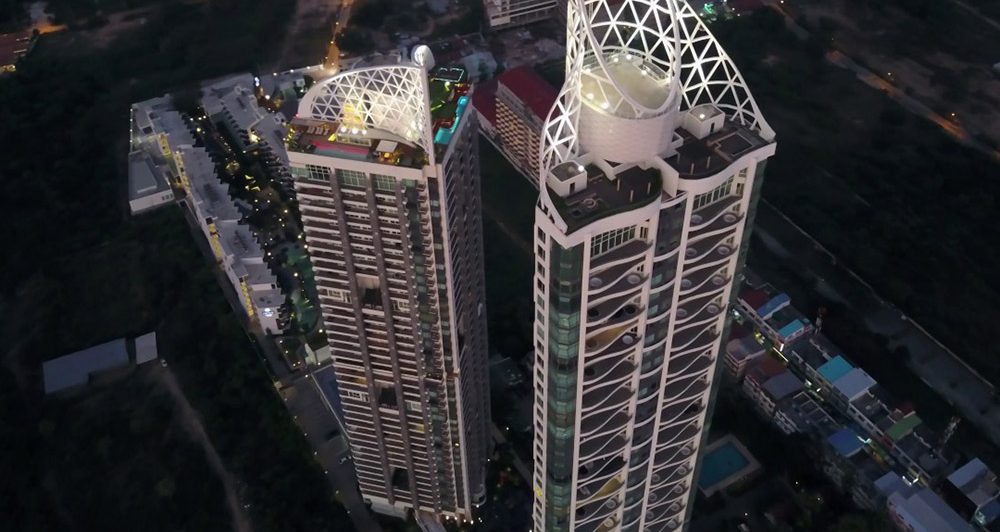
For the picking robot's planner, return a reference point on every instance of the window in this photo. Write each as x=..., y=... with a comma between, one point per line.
x=317, y=173
x=605, y=242
x=713, y=196
x=351, y=178
x=384, y=183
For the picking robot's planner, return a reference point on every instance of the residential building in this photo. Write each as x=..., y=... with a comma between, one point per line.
x=740, y=353
x=649, y=178
x=850, y=467
x=147, y=186
x=850, y=386
x=164, y=147
x=800, y=413
x=773, y=315
x=923, y=510
x=232, y=103
x=523, y=100
x=386, y=167
x=510, y=13
x=972, y=491
x=484, y=101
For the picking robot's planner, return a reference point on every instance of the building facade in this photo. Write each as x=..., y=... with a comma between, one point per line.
x=509, y=13
x=389, y=198
x=523, y=100
x=651, y=165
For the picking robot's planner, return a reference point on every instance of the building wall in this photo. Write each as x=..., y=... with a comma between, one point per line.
x=509, y=13
x=519, y=130
x=398, y=260
x=621, y=398
x=152, y=201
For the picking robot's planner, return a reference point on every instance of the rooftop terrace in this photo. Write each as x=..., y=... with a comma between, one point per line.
x=698, y=158
x=604, y=195
x=448, y=98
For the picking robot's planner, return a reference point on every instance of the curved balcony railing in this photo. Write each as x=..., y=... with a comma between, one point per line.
x=609, y=305
x=632, y=251
x=594, y=426
x=594, y=448
x=604, y=279
x=610, y=369
x=602, y=397
x=625, y=317
x=694, y=336
x=698, y=365
x=687, y=389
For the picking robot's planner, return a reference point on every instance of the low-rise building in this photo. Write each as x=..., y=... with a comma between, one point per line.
x=773, y=315
x=753, y=384
x=740, y=354
x=76, y=369
x=850, y=386
x=802, y=414
x=521, y=104
x=923, y=510
x=163, y=144
x=848, y=465
x=148, y=187
x=972, y=491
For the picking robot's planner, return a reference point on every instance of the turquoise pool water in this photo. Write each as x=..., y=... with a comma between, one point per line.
x=720, y=464
x=443, y=136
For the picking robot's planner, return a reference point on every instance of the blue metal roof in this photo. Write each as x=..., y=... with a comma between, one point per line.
x=791, y=329
x=772, y=306
x=846, y=442
x=835, y=368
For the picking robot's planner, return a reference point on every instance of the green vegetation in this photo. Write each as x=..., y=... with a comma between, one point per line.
x=80, y=272
x=151, y=469
x=892, y=196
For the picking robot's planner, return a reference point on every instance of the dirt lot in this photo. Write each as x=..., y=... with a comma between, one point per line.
x=939, y=53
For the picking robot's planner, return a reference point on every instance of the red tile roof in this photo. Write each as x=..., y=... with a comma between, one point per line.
x=484, y=99
x=754, y=298
x=736, y=331
x=531, y=88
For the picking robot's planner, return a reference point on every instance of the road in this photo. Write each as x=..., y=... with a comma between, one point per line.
x=839, y=59
x=302, y=397
x=315, y=416
x=332, y=60
x=241, y=523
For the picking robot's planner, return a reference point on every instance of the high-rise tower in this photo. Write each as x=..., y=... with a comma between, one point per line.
x=651, y=167
x=386, y=172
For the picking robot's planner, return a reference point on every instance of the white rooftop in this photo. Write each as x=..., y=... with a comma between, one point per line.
x=145, y=348
x=144, y=176
x=925, y=511
x=854, y=383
